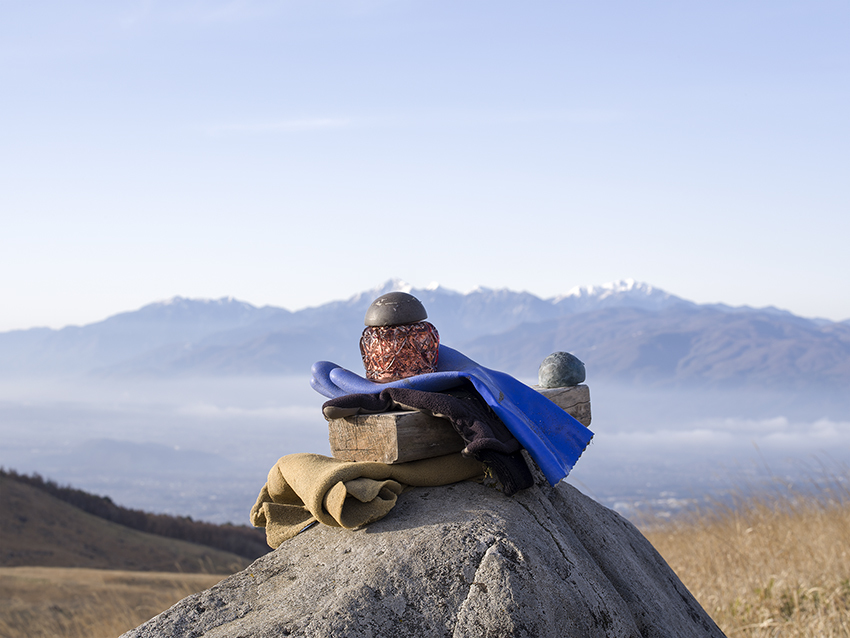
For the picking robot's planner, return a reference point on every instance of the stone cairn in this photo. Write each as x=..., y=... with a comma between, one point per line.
x=461, y=560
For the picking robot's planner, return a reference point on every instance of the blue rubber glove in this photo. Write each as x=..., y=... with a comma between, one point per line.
x=553, y=438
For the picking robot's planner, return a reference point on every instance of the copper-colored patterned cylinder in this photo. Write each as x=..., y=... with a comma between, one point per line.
x=397, y=343
x=391, y=353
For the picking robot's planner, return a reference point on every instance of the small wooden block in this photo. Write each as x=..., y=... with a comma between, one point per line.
x=574, y=399
x=392, y=437
x=399, y=437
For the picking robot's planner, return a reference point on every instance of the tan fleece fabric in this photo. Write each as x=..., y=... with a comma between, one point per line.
x=304, y=488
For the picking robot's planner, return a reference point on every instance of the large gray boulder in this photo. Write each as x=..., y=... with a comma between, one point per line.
x=461, y=560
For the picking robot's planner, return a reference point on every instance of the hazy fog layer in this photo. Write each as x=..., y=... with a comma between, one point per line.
x=192, y=447
x=203, y=447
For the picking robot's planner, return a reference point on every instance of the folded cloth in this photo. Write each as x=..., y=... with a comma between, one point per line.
x=486, y=437
x=553, y=438
x=305, y=488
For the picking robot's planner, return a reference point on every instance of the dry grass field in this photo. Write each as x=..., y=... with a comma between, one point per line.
x=776, y=565
x=52, y=602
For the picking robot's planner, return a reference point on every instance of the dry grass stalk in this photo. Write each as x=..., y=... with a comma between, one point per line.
x=773, y=565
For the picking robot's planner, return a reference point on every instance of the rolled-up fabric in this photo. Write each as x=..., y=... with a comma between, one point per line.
x=306, y=488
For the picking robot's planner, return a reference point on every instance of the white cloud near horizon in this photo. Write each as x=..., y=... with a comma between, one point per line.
x=296, y=125
x=197, y=12
x=463, y=118
x=279, y=413
x=486, y=116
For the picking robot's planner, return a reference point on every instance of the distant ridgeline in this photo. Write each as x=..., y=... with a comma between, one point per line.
x=625, y=331
x=244, y=541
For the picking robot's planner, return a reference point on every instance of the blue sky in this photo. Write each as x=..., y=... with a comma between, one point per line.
x=290, y=153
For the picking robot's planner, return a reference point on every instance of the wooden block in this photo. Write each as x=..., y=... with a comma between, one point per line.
x=398, y=437
x=574, y=399
x=392, y=437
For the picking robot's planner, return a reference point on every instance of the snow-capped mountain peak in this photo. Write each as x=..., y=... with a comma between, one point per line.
x=178, y=301
x=624, y=292
x=390, y=285
x=396, y=285
x=603, y=291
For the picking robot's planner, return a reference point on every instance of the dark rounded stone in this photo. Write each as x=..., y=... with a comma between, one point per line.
x=394, y=309
x=561, y=369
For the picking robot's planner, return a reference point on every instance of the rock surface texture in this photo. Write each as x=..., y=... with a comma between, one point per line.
x=462, y=560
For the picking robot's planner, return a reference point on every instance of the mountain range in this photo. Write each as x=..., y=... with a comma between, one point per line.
x=625, y=331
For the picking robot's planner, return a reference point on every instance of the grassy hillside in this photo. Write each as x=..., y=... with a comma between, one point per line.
x=37, y=529
x=54, y=602
x=65, y=572
x=777, y=564
x=243, y=540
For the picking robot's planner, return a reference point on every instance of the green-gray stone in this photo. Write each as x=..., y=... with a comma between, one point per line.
x=561, y=369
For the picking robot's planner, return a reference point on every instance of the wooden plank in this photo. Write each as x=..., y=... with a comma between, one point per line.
x=399, y=437
x=574, y=399
x=392, y=437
